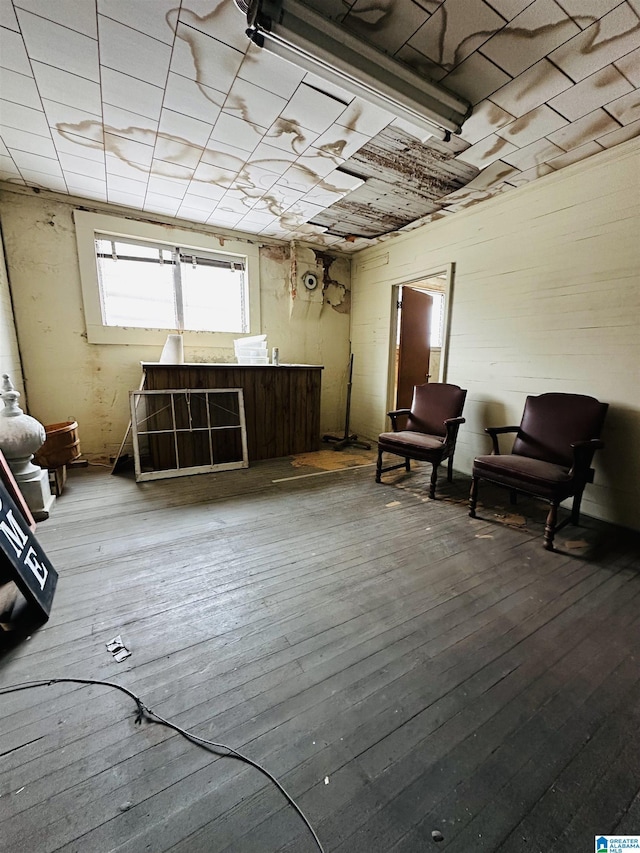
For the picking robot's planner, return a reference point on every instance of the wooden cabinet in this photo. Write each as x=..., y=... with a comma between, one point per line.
x=282, y=404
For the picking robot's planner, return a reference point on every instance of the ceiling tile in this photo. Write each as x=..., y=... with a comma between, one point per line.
x=259, y=66
x=204, y=59
x=235, y=131
x=629, y=65
x=257, y=218
x=600, y=44
x=312, y=109
x=125, y=199
x=279, y=198
x=204, y=189
x=486, y=118
x=299, y=178
x=59, y=46
x=491, y=176
x=83, y=185
x=35, y=162
x=21, y=140
x=214, y=175
x=475, y=79
x=254, y=176
x=177, y=151
x=317, y=163
x=510, y=8
x=228, y=157
x=272, y=159
x=235, y=202
x=126, y=123
x=13, y=54
x=45, y=179
x=533, y=155
x=584, y=12
x=192, y=214
x=520, y=178
x=119, y=168
x=328, y=88
x=82, y=166
x=574, y=156
x=55, y=84
x=534, y=87
x=483, y=153
x=23, y=118
x=302, y=211
x=532, y=126
x=419, y=63
x=8, y=17
x=79, y=15
x=623, y=134
x=455, y=30
x=160, y=25
x=184, y=128
x=340, y=142
x=129, y=93
x=221, y=20
x=175, y=172
x=128, y=149
x=189, y=98
x=389, y=32
x=583, y=130
x=530, y=36
x=362, y=117
x=626, y=109
x=115, y=183
x=63, y=117
x=223, y=217
x=198, y=202
x=167, y=187
x=290, y=136
x=69, y=143
x=253, y=104
x=158, y=203
x=132, y=52
x=19, y=89
x=596, y=91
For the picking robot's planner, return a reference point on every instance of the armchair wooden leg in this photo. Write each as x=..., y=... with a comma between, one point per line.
x=407, y=464
x=450, y=469
x=473, y=497
x=550, y=526
x=575, y=509
x=434, y=478
x=379, y=466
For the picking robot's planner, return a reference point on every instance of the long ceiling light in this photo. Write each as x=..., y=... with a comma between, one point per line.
x=296, y=33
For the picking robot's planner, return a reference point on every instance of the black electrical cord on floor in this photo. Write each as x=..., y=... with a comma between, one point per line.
x=145, y=713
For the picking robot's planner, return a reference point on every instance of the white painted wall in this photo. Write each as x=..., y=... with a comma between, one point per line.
x=546, y=297
x=70, y=379
x=9, y=353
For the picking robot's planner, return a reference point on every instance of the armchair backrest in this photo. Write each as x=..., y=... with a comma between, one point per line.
x=551, y=423
x=432, y=404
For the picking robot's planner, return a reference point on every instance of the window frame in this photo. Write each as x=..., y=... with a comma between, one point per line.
x=88, y=225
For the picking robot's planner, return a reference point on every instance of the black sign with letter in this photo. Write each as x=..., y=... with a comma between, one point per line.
x=28, y=565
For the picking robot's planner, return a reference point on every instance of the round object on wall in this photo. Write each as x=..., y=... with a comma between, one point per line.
x=310, y=280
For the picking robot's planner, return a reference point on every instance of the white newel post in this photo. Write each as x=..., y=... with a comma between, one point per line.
x=20, y=437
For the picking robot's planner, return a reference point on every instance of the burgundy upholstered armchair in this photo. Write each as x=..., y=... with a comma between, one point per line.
x=551, y=456
x=431, y=431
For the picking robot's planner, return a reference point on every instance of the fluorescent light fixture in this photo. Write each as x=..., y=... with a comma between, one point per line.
x=296, y=33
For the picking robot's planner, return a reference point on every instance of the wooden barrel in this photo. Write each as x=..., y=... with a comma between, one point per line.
x=61, y=446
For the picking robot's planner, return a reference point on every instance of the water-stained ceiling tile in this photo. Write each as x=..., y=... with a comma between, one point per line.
x=626, y=109
x=333, y=9
x=130, y=149
x=46, y=180
x=520, y=178
x=161, y=169
x=529, y=90
x=629, y=65
x=623, y=134
x=259, y=66
x=388, y=25
x=272, y=159
x=80, y=17
x=299, y=177
x=290, y=136
x=475, y=79
x=225, y=156
x=176, y=150
x=204, y=59
x=575, y=155
x=253, y=104
x=129, y=122
x=364, y=118
x=340, y=142
x=235, y=131
x=59, y=46
x=584, y=130
x=159, y=25
x=318, y=162
x=60, y=115
x=312, y=109
x=532, y=126
x=530, y=36
x=68, y=143
x=584, y=12
x=220, y=19
x=133, y=52
x=180, y=126
x=214, y=175
x=600, y=44
x=421, y=64
x=483, y=153
x=486, y=118
x=509, y=9
x=532, y=155
x=596, y=91
x=454, y=31
x=210, y=192
x=130, y=93
x=254, y=177
x=187, y=97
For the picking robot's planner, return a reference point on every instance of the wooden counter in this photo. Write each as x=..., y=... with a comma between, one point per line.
x=282, y=404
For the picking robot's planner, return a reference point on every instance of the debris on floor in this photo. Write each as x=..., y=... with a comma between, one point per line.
x=118, y=649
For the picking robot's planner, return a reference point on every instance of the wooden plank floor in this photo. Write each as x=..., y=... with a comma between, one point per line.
x=400, y=667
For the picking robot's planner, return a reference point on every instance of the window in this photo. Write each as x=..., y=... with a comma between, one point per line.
x=137, y=286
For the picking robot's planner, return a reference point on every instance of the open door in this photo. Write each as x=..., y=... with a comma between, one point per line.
x=414, y=324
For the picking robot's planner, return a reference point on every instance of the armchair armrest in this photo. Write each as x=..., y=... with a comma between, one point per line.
x=395, y=415
x=452, y=425
x=583, y=452
x=494, y=432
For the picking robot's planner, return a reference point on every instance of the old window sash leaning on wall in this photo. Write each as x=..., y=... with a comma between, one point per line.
x=195, y=284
